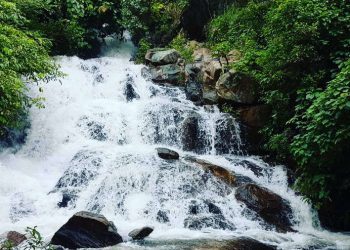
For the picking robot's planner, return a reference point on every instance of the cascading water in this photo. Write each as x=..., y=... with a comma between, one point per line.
x=94, y=145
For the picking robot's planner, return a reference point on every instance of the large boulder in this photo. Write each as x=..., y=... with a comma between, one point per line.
x=236, y=87
x=268, y=205
x=159, y=56
x=87, y=230
x=171, y=73
x=141, y=233
x=167, y=154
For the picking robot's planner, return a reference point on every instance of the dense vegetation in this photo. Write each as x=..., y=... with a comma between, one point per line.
x=298, y=52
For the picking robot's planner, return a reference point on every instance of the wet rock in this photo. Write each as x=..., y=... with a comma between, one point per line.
x=170, y=73
x=268, y=205
x=162, y=56
x=167, y=154
x=190, y=137
x=82, y=169
x=146, y=73
x=235, y=87
x=129, y=90
x=227, y=135
x=210, y=96
x=87, y=230
x=218, y=171
x=15, y=238
x=162, y=217
x=66, y=198
x=213, y=209
x=245, y=244
x=140, y=234
x=216, y=221
x=257, y=170
x=194, y=91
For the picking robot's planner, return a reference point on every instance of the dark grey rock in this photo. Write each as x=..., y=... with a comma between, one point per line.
x=87, y=230
x=140, y=234
x=168, y=154
x=268, y=205
x=194, y=91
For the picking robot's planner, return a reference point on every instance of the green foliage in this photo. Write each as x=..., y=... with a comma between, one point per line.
x=35, y=240
x=23, y=55
x=180, y=43
x=298, y=51
x=322, y=145
x=143, y=47
x=157, y=21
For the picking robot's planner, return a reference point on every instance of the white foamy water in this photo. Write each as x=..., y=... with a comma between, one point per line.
x=97, y=146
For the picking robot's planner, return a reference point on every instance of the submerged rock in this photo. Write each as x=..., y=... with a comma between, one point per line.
x=87, y=230
x=162, y=217
x=66, y=199
x=129, y=90
x=167, y=154
x=269, y=206
x=245, y=244
x=140, y=234
x=215, y=221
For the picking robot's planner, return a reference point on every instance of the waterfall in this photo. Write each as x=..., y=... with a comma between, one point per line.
x=93, y=147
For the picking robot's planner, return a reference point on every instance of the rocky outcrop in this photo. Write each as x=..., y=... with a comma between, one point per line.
x=160, y=56
x=235, y=87
x=167, y=154
x=268, y=205
x=87, y=230
x=141, y=233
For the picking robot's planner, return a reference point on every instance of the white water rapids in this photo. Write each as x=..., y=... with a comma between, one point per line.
x=94, y=144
